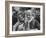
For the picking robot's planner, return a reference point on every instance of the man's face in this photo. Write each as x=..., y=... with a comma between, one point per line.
x=21, y=17
x=28, y=14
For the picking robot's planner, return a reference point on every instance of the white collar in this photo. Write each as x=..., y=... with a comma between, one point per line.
x=31, y=19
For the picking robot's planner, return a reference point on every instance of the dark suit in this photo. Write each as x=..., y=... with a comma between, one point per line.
x=34, y=24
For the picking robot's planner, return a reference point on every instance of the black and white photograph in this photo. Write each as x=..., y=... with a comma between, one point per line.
x=25, y=18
